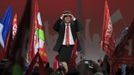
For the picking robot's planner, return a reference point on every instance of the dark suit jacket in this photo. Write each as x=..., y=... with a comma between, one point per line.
x=60, y=28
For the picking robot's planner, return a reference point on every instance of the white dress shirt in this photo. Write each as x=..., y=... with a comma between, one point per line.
x=71, y=40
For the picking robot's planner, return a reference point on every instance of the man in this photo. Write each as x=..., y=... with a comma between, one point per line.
x=67, y=27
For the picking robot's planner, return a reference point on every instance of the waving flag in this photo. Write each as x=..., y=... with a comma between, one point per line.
x=14, y=26
x=37, y=53
x=5, y=26
x=38, y=36
x=107, y=41
x=36, y=60
x=56, y=63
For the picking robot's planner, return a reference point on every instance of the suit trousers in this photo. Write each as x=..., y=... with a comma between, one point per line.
x=65, y=53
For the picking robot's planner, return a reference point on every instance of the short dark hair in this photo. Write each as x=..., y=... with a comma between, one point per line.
x=67, y=16
x=67, y=12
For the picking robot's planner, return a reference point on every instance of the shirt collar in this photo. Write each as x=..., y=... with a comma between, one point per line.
x=67, y=23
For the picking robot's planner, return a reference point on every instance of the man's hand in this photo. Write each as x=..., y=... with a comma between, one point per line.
x=61, y=17
x=73, y=17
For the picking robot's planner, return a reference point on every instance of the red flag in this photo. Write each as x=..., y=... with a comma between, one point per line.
x=14, y=26
x=56, y=63
x=73, y=56
x=107, y=41
x=37, y=41
x=37, y=59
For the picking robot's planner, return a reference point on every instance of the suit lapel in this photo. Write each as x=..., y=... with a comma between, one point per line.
x=72, y=27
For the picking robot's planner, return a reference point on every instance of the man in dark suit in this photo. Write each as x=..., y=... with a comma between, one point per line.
x=67, y=27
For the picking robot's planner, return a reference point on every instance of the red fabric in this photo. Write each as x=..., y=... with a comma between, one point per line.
x=56, y=63
x=107, y=41
x=1, y=55
x=40, y=57
x=33, y=40
x=67, y=34
x=30, y=68
x=43, y=54
x=42, y=70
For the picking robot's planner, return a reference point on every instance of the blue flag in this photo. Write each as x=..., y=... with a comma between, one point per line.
x=5, y=26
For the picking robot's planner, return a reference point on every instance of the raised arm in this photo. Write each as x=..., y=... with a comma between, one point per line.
x=57, y=25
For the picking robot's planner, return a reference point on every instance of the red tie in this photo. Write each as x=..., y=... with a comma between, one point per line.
x=67, y=35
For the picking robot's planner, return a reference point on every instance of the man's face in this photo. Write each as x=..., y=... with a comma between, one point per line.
x=67, y=19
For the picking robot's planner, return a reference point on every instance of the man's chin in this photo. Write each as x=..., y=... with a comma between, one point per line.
x=68, y=22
